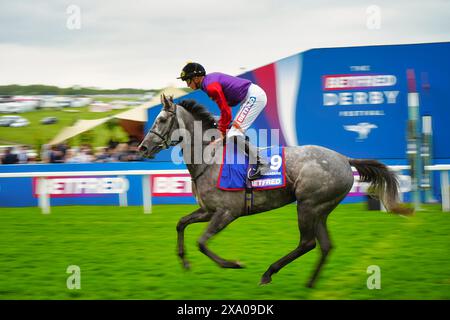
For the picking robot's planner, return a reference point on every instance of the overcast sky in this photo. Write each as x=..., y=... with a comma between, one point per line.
x=144, y=44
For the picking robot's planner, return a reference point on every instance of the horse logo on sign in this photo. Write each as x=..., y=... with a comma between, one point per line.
x=363, y=129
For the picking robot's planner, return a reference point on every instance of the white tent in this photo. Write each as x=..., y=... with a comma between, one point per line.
x=137, y=114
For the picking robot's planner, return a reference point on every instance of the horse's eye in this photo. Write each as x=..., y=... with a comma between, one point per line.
x=162, y=120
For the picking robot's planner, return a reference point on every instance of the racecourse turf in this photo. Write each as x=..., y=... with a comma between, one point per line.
x=125, y=254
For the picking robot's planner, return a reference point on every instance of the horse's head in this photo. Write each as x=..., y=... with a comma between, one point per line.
x=159, y=136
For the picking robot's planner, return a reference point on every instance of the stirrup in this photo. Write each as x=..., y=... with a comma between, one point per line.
x=260, y=169
x=254, y=173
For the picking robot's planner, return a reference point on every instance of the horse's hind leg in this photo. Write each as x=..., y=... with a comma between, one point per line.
x=198, y=215
x=307, y=226
x=323, y=236
x=325, y=246
x=218, y=222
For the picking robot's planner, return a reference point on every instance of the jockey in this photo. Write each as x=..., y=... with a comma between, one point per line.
x=228, y=91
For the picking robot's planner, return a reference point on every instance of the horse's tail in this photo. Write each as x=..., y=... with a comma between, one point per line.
x=384, y=183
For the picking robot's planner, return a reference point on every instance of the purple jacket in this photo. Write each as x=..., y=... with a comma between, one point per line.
x=226, y=91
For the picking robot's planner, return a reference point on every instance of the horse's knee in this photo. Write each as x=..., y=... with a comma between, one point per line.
x=182, y=223
x=308, y=245
x=180, y=226
x=326, y=249
x=201, y=245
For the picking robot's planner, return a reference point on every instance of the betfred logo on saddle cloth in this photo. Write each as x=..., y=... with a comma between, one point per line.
x=234, y=168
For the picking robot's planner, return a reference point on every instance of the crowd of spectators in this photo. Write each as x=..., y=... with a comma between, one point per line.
x=16, y=155
x=62, y=153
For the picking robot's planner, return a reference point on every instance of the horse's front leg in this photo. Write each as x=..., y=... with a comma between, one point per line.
x=218, y=222
x=198, y=215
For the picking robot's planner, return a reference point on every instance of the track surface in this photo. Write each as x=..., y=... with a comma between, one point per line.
x=124, y=254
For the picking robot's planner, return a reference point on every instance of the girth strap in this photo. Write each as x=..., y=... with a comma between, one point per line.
x=248, y=194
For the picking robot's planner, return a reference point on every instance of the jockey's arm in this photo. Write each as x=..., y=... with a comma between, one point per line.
x=215, y=91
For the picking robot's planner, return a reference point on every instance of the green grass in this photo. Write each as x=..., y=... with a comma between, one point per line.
x=125, y=254
x=36, y=133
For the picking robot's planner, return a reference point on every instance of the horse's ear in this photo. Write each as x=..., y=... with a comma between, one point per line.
x=171, y=98
x=167, y=102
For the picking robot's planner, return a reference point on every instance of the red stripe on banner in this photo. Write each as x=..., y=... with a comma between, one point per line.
x=411, y=78
x=265, y=77
x=326, y=77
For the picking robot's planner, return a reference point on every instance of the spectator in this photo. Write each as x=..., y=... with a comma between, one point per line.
x=112, y=144
x=133, y=152
x=86, y=153
x=72, y=156
x=105, y=155
x=63, y=147
x=9, y=157
x=22, y=154
x=56, y=155
x=121, y=152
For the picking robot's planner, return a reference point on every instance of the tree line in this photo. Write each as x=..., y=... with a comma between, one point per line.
x=39, y=89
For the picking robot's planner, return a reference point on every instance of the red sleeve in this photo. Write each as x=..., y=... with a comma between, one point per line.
x=214, y=90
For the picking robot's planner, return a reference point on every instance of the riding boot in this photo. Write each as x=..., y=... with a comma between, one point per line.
x=251, y=151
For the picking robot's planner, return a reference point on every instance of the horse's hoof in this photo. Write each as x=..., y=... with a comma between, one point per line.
x=186, y=265
x=233, y=265
x=265, y=280
x=310, y=284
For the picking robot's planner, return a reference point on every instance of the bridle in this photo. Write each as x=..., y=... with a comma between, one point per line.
x=166, y=143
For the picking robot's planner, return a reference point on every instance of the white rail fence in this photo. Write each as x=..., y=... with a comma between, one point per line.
x=44, y=197
x=444, y=179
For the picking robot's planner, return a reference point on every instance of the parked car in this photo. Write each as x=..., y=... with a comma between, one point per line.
x=18, y=104
x=80, y=102
x=20, y=123
x=6, y=121
x=49, y=120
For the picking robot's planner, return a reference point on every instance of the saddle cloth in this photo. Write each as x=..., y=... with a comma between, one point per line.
x=234, y=168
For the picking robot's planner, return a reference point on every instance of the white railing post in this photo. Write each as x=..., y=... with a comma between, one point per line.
x=123, y=196
x=147, y=193
x=399, y=190
x=445, y=191
x=44, y=201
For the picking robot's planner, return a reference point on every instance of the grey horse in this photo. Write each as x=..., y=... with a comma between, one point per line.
x=318, y=179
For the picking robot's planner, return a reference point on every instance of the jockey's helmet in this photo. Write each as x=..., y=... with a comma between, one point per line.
x=192, y=69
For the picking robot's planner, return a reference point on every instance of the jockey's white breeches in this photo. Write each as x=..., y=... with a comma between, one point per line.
x=252, y=105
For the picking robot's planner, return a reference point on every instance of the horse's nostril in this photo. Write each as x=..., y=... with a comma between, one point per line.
x=143, y=149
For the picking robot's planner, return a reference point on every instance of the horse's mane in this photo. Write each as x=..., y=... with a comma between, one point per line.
x=200, y=113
